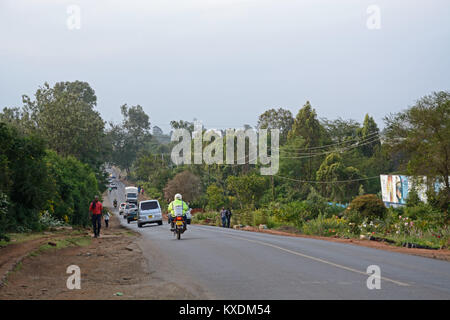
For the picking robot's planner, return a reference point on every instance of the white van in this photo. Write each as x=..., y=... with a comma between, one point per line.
x=149, y=211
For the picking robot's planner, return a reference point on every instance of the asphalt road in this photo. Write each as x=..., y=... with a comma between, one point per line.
x=220, y=263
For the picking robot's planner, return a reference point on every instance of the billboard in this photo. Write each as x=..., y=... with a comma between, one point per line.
x=395, y=188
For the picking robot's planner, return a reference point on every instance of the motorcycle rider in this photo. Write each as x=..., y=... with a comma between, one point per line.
x=115, y=203
x=177, y=205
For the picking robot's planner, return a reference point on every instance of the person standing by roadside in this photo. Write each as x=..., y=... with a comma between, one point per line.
x=223, y=216
x=106, y=217
x=228, y=214
x=139, y=189
x=96, y=215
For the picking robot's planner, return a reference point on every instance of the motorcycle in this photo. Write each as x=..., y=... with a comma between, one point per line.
x=115, y=204
x=179, y=226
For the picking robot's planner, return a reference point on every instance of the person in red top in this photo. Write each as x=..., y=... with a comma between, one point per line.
x=96, y=209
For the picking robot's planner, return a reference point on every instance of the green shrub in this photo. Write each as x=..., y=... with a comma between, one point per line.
x=210, y=218
x=260, y=216
x=324, y=226
x=4, y=204
x=368, y=206
x=216, y=199
x=46, y=220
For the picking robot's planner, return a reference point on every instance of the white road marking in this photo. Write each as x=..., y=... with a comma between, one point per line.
x=403, y=284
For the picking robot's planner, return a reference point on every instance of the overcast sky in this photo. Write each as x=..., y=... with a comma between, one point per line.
x=227, y=61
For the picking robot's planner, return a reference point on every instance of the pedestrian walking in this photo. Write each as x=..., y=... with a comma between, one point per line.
x=106, y=217
x=223, y=216
x=228, y=214
x=139, y=189
x=96, y=209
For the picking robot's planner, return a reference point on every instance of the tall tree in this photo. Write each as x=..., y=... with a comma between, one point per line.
x=422, y=132
x=340, y=183
x=369, y=139
x=185, y=183
x=247, y=188
x=277, y=119
x=307, y=126
x=182, y=125
x=341, y=130
x=130, y=137
x=65, y=116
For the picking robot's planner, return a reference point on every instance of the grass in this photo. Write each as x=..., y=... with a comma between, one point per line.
x=17, y=267
x=63, y=243
x=21, y=237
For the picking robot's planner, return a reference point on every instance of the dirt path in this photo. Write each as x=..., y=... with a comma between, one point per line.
x=112, y=267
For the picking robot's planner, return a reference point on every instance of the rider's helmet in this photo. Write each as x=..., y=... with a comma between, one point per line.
x=178, y=196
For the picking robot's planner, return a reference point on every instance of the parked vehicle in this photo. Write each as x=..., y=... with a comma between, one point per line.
x=149, y=211
x=122, y=208
x=132, y=215
x=129, y=207
x=131, y=195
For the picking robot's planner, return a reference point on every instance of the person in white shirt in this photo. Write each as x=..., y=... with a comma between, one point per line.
x=106, y=216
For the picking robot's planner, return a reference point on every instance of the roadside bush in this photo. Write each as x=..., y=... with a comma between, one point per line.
x=296, y=212
x=4, y=204
x=209, y=218
x=23, y=178
x=368, y=206
x=413, y=198
x=324, y=226
x=260, y=216
x=46, y=221
x=74, y=185
x=215, y=196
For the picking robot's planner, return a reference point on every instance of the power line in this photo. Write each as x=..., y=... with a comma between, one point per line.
x=327, y=182
x=369, y=136
x=292, y=151
x=332, y=151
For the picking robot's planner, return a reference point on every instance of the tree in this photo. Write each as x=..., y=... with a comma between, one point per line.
x=247, y=188
x=65, y=117
x=215, y=196
x=368, y=136
x=334, y=174
x=24, y=177
x=182, y=125
x=185, y=183
x=152, y=168
x=277, y=119
x=299, y=159
x=341, y=130
x=422, y=132
x=307, y=126
x=130, y=137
